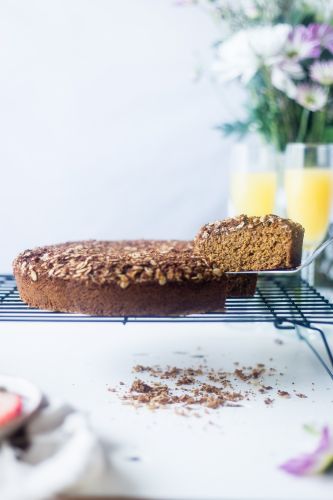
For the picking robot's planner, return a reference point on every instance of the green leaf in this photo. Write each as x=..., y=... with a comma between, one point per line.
x=238, y=128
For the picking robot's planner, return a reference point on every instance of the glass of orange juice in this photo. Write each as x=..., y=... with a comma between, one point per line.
x=253, y=180
x=308, y=182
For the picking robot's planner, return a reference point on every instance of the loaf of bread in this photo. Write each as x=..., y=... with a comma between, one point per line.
x=251, y=243
x=124, y=278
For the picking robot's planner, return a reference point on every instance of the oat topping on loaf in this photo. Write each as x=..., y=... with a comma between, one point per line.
x=242, y=222
x=120, y=262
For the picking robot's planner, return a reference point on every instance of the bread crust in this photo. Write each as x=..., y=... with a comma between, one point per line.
x=148, y=299
x=242, y=285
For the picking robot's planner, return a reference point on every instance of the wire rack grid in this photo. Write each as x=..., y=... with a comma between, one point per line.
x=288, y=303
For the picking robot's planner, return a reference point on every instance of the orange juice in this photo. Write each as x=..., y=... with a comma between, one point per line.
x=309, y=193
x=253, y=193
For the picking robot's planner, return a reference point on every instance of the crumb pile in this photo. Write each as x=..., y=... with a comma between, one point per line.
x=188, y=389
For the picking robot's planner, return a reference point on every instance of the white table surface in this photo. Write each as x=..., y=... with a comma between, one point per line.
x=230, y=453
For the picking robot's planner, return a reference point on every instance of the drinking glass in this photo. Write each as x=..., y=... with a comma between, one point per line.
x=308, y=184
x=253, y=181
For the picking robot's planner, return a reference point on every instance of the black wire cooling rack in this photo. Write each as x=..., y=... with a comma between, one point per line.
x=288, y=303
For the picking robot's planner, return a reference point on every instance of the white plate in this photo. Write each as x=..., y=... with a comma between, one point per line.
x=31, y=399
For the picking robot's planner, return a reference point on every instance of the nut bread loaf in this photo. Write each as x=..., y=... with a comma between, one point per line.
x=120, y=278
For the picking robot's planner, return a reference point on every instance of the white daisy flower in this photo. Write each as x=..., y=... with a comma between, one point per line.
x=311, y=97
x=244, y=53
x=322, y=72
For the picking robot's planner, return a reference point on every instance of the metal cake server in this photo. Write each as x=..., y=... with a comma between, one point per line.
x=294, y=270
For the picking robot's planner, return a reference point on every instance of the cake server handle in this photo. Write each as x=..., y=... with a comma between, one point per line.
x=316, y=252
x=295, y=270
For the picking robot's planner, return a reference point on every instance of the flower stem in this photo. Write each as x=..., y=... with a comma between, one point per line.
x=318, y=126
x=303, y=125
x=273, y=111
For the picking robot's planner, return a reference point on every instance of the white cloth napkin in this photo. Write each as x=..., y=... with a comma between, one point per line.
x=64, y=455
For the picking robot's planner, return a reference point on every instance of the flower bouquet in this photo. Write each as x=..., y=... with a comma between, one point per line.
x=282, y=52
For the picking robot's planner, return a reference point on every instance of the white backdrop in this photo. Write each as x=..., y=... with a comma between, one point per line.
x=103, y=133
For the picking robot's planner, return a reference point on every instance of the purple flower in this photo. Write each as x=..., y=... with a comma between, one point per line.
x=302, y=44
x=311, y=97
x=323, y=34
x=313, y=463
x=322, y=72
